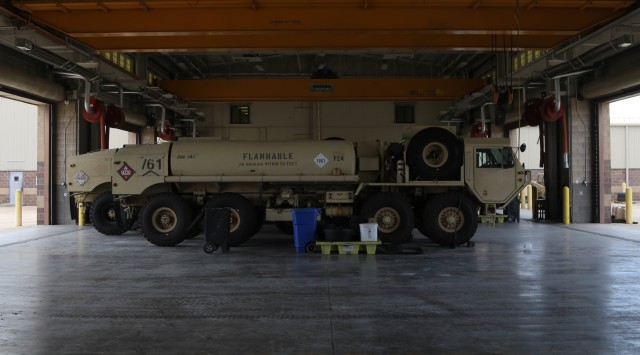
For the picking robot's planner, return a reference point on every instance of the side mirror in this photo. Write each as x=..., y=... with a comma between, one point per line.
x=523, y=147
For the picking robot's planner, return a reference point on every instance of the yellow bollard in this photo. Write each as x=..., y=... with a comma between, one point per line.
x=628, y=201
x=18, y=207
x=81, y=215
x=523, y=202
x=566, y=206
x=529, y=198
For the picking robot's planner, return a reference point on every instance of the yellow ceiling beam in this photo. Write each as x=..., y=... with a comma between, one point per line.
x=319, y=42
x=45, y=5
x=256, y=90
x=102, y=26
x=451, y=19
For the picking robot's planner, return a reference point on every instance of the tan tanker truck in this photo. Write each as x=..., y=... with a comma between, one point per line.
x=432, y=181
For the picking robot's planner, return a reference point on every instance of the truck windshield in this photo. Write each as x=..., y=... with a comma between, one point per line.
x=494, y=158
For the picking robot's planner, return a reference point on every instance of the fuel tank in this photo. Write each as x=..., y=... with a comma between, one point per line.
x=194, y=157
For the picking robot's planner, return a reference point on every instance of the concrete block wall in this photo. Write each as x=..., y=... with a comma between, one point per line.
x=604, y=157
x=581, y=161
x=66, y=137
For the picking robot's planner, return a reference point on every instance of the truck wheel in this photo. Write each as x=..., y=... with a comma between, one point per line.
x=165, y=219
x=393, y=215
x=243, y=216
x=450, y=219
x=434, y=154
x=108, y=217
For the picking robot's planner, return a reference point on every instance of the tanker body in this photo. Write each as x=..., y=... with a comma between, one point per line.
x=436, y=182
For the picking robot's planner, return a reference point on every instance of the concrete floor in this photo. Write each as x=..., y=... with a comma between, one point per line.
x=8, y=217
x=528, y=288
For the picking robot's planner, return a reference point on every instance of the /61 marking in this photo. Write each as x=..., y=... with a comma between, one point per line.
x=152, y=165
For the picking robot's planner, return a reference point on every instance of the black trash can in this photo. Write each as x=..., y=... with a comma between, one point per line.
x=513, y=211
x=216, y=229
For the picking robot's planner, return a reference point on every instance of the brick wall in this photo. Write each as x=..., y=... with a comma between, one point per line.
x=618, y=177
x=29, y=188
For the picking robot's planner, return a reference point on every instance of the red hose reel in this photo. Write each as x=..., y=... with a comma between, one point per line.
x=168, y=133
x=537, y=110
x=98, y=111
x=476, y=131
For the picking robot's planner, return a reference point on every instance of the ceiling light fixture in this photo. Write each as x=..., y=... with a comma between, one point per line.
x=625, y=41
x=24, y=44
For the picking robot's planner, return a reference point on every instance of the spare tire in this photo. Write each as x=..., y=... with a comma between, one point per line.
x=434, y=154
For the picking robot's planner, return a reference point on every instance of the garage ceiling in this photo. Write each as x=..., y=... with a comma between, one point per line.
x=383, y=25
x=189, y=41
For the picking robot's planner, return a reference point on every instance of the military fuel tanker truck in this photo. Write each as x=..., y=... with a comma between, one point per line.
x=432, y=181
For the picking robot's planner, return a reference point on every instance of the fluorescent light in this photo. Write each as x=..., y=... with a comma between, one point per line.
x=24, y=44
x=624, y=41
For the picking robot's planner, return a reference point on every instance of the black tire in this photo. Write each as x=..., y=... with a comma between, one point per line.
x=450, y=219
x=209, y=248
x=434, y=154
x=310, y=247
x=243, y=216
x=393, y=214
x=165, y=219
x=108, y=217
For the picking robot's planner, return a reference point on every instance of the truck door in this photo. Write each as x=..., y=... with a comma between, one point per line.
x=495, y=176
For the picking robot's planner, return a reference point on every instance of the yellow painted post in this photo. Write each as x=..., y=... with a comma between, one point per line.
x=18, y=207
x=529, y=197
x=81, y=214
x=566, y=206
x=628, y=202
x=523, y=196
x=624, y=186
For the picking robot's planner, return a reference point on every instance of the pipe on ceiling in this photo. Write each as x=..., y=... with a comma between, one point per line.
x=30, y=82
x=585, y=59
